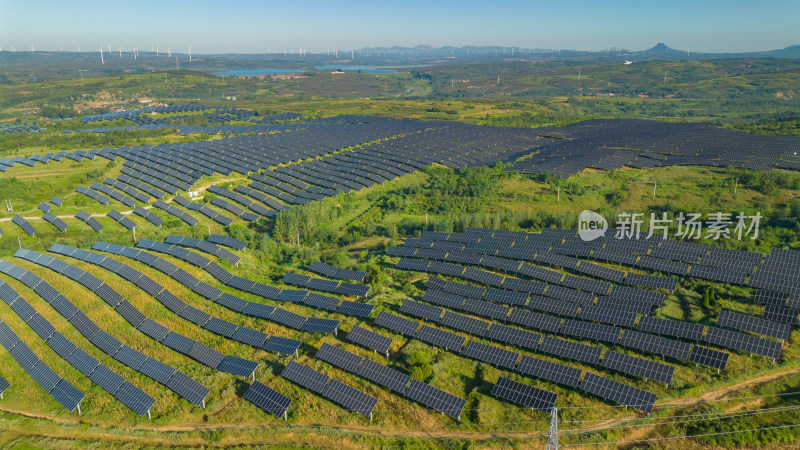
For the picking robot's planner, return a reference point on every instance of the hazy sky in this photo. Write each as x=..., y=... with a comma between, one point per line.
x=258, y=26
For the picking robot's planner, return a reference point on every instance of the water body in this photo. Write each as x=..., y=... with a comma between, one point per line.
x=346, y=68
x=256, y=72
x=364, y=69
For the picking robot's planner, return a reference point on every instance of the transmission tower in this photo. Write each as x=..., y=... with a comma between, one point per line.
x=552, y=439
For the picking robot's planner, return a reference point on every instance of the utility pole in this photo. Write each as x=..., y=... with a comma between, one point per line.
x=655, y=184
x=552, y=438
x=558, y=194
x=735, y=185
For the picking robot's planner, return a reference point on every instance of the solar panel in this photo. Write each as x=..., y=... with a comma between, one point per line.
x=618, y=392
x=550, y=371
x=384, y=376
x=655, y=344
x=781, y=314
x=187, y=388
x=592, y=331
x=157, y=370
x=422, y=310
x=321, y=301
x=435, y=398
x=570, y=350
x=130, y=357
x=743, y=342
x=237, y=366
x=4, y=385
x=464, y=323
x=339, y=357
x=134, y=398
x=82, y=361
x=106, y=378
x=296, y=279
x=485, y=309
x=524, y=394
x=490, y=354
x=305, y=377
x=357, y=290
x=195, y=315
x=178, y=342
x=609, y=316
x=206, y=355
x=534, y=320
x=752, y=324
x=441, y=338
x=249, y=336
x=221, y=327
x=258, y=310
x=291, y=295
x=708, y=357
x=667, y=327
x=154, y=330
x=41, y=326
x=288, y=318
x=369, y=339
x=350, y=397
x=632, y=365
x=281, y=345
x=268, y=399
x=44, y=376
x=319, y=325
x=68, y=395
x=514, y=336
x=397, y=323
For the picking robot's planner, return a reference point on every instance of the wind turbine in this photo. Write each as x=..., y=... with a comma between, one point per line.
x=33, y=49
x=80, y=71
x=156, y=51
x=190, y=54
x=169, y=53
x=101, y=55
x=120, y=52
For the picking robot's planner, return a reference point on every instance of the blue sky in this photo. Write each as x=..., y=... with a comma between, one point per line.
x=258, y=26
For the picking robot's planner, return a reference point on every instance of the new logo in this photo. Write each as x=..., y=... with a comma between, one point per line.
x=591, y=225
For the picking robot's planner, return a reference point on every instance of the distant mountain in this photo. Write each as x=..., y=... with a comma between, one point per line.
x=660, y=51
x=660, y=48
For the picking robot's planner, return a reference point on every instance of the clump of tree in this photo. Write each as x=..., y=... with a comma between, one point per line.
x=710, y=299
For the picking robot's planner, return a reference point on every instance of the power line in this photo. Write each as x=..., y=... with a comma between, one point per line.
x=671, y=438
x=720, y=416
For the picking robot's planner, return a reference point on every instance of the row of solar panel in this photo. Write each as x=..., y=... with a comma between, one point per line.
x=200, y=318
x=155, y=369
x=312, y=299
x=319, y=284
x=278, y=315
x=392, y=379
x=130, y=395
x=526, y=365
x=60, y=389
x=204, y=246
